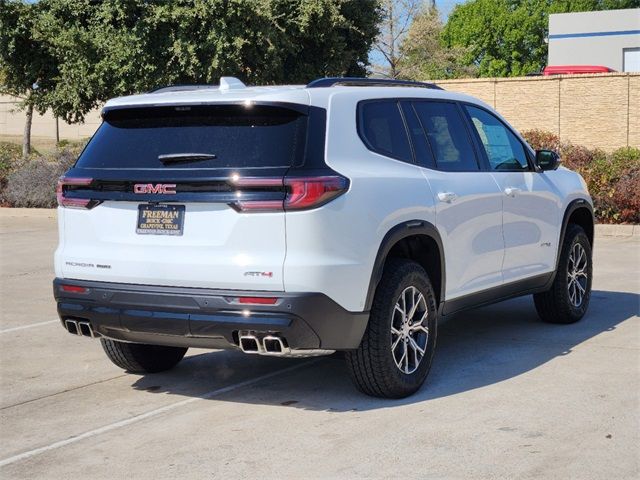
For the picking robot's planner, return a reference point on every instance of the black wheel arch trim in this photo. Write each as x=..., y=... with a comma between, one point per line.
x=580, y=203
x=403, y=230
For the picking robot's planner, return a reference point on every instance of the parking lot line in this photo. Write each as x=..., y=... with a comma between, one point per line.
x=152, y=413
x=31, y=325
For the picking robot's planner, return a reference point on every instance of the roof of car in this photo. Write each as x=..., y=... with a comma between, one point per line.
x=318, y=92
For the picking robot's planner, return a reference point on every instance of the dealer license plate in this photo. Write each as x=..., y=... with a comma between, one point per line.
x=160, y=219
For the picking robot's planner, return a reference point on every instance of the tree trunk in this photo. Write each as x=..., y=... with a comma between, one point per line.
x=26, y=139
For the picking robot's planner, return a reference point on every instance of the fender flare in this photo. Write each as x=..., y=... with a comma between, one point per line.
x=572, y=207
x=393, y=236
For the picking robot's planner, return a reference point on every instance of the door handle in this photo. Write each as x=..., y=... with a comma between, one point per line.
x=447, y=197
x=512, y=191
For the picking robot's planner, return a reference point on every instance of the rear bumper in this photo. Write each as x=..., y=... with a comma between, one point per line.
x=206, y=318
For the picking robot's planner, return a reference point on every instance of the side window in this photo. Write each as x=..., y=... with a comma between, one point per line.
x=504, y=150
x=447, y=135
x=381, y=128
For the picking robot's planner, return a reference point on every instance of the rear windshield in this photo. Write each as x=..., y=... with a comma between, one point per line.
x=222, y=136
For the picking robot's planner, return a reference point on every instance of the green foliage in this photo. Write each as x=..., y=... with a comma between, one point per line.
x=98, y=50
x=423, y=54
x=24, y=54
x=507, y=37
x=613, y=178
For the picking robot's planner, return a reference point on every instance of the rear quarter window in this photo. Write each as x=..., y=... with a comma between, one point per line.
x=236, y=136
x=381, y=128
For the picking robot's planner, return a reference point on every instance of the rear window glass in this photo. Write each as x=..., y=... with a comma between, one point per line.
x=221, y=136
x=382, y=129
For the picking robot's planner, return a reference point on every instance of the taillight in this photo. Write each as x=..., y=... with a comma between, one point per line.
x=65, y=201
x=310, y=192
x=301, y=192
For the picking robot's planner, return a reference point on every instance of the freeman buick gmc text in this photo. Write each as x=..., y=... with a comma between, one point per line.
x=346, y=215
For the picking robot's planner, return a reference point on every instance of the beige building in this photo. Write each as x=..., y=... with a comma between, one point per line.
x=609, y=38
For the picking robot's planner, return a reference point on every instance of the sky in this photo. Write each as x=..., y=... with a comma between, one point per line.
x=444, y=6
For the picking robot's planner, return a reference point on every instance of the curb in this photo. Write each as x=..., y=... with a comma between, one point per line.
x=602, y=230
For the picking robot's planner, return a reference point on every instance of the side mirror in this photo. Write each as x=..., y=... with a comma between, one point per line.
x=547, y=160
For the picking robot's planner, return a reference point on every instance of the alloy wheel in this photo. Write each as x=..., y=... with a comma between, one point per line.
x=577, y=278
x=409, y=330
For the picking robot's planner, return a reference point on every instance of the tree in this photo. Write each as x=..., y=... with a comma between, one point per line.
x=507, y=37
x=27, y=67
x=396, y=19
x=98, y=50
x=423, y=54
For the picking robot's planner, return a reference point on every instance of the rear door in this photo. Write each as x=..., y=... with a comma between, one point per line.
x=468, y=201
x=170, y=193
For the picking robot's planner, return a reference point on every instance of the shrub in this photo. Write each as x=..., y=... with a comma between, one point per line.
x=33, y=183
x=613, y=179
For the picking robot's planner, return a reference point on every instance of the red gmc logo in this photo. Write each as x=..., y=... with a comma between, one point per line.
x=158, y=188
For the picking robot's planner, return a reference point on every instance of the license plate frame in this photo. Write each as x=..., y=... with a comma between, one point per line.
x=171, y=222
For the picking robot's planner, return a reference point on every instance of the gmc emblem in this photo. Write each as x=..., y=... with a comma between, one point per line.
x=158, y=188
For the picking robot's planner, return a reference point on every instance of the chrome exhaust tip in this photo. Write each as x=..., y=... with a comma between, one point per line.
x=273, y=345
x=86, y=330
x=72, y=327
x=250, y=344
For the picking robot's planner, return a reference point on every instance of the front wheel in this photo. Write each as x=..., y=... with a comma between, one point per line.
x=568, y=298
x=395, y=355
x=140, y=358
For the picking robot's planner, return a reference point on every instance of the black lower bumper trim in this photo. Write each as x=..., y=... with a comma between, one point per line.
x=207, y=318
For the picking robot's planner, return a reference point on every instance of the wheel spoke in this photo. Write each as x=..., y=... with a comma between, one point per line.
x=415, y=346
x=419, y=328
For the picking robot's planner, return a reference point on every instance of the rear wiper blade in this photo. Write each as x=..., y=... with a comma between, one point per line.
x=169, y=158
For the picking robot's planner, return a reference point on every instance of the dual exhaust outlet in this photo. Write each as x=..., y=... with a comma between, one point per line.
x=81, y=328
x=275, y=345
x=268, y=345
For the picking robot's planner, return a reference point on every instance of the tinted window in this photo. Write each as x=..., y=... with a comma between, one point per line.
x=504, y=150
x=382, y=129
x=238, y=136
x=424, y=157
x=447, y=136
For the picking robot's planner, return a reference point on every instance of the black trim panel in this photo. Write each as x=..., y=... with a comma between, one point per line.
x=198, y=317
x=397, y=233
x=536, y=284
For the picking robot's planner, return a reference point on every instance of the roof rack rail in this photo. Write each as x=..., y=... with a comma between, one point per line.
x=368, y=82
x=180, y=88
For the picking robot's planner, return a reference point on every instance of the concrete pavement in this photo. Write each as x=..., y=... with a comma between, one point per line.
x=508, y=396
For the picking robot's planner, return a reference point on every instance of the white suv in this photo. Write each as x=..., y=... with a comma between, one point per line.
x=348, y=214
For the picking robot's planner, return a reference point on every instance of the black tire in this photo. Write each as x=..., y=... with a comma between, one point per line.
x=139, y=358
x=555, y=305
x=372, y=366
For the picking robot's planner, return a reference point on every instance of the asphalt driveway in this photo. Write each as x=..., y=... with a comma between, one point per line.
x=508, y=396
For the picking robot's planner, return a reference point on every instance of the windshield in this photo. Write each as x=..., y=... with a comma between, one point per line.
x=222, y=136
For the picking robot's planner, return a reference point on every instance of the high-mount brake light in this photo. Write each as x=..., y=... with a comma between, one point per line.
x=65, y=201
x=301, y=192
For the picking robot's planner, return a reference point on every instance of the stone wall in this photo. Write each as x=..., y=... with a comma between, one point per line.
x=593, y=110
x=600, y=110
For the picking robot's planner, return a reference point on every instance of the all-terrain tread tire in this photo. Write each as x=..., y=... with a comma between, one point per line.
x=553, y=306
x=371, y=365
x=141, y=358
